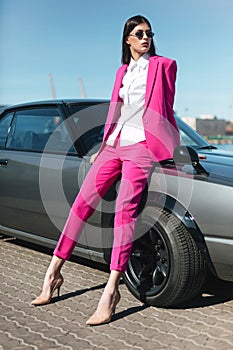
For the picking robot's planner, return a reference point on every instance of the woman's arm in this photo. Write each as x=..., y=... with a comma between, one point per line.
x=169, y=84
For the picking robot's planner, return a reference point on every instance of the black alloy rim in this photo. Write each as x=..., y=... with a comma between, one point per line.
x=149, y=264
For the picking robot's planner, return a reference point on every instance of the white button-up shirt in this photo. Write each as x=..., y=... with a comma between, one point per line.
x=133, y=91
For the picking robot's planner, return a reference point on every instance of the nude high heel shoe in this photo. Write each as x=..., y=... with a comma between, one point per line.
x=55, y=285
x=95, y=320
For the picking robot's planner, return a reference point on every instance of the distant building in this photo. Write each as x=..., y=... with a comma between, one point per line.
x=229, y=128
x=207, y=125
x=211, y=127
x=207, y=116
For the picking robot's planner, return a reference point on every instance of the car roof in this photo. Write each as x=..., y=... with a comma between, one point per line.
x=55, y=102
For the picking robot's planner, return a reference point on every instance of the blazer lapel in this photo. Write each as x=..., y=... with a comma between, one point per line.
x=151, y=77
x=118, y=82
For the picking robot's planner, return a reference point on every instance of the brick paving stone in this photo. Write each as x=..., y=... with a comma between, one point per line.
x=206, y=323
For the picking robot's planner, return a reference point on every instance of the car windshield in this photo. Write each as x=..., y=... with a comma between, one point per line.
x=189, y=137
x=88, y=113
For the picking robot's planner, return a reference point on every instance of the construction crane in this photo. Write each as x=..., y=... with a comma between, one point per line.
x=83, y=93
x=52, y=89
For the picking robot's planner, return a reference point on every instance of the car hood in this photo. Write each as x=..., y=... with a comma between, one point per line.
x=218, y=156
x=218, y=162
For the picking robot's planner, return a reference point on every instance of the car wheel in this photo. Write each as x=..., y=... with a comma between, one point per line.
x=166, y=267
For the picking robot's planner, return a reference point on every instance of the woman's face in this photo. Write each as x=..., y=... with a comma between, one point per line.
x=139, y=40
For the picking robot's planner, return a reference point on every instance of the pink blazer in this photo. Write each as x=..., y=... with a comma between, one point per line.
x=160, y=127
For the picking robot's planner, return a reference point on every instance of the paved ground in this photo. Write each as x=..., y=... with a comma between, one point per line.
x=207, y=323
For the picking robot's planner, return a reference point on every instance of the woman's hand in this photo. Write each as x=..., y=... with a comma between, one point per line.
x=93, y=157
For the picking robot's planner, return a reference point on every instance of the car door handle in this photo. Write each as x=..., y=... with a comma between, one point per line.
x=3, y=162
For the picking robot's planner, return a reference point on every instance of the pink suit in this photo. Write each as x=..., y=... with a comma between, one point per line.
x=133, y=162
x=162, y=134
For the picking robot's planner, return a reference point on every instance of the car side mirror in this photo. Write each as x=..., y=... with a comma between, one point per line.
x=188, y=155
x=185, y=154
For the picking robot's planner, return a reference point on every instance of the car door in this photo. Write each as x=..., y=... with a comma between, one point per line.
x=39, y=172
x=89, y=123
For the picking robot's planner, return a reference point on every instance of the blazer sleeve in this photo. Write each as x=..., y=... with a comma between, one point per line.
x=169, y=84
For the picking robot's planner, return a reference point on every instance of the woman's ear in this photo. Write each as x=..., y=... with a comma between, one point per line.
x=127, y=40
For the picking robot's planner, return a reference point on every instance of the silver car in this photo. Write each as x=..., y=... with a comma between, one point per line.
x=185, y=225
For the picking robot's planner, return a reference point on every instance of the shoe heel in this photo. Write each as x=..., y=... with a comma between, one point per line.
x=42, y=301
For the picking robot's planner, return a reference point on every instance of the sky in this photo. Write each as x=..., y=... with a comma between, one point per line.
x=81, y=39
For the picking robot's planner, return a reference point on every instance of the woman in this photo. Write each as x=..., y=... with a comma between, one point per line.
x=140, y=129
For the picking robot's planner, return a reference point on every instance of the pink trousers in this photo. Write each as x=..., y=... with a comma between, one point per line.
x=134, y=163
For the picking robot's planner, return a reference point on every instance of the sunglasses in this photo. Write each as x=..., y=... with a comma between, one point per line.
x=140, y=33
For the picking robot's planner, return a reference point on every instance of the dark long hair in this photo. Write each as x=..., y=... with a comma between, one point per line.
x=130, y=24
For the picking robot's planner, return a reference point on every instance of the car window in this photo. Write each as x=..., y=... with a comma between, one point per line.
x=188, y=136
x=186, y=140
x=5, y=123
x=38, y=130
x=88, y=121
x=90, y=140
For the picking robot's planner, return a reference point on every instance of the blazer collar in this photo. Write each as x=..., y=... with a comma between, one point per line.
x=151, y=76
x=142, y=62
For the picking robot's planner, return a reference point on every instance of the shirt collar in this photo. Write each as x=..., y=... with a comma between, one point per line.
x=142, y=62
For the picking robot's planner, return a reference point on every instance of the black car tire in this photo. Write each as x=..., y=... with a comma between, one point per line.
x=166, y=267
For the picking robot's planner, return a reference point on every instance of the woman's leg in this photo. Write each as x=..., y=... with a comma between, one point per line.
x=52, y=281
x=108, y=301
x=101, y=176
x=99, y=179
x=136, y=168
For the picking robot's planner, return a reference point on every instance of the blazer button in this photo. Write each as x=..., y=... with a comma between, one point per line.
x=145, y=121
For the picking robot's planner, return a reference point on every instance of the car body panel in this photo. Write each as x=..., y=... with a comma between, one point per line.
x=38, y=188
x=199, y=200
